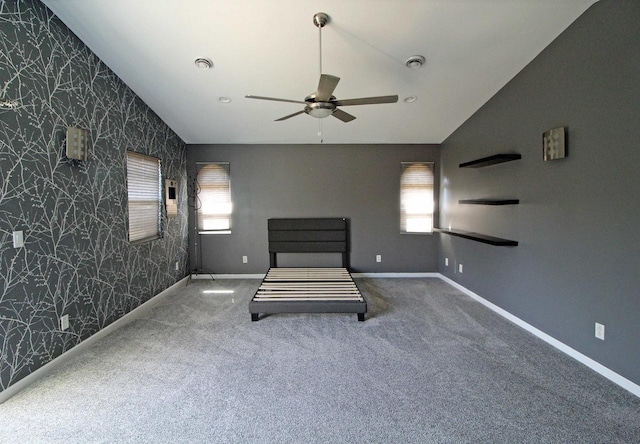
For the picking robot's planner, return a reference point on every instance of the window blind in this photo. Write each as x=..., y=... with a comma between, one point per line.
x=416, y=197
x=145, y=199
x=214, y=197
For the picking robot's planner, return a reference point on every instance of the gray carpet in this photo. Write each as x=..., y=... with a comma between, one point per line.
x=428, y=365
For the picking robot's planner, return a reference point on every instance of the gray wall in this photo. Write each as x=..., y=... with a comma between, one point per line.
x=577, y=224
x=76, y=259
x=359, y=182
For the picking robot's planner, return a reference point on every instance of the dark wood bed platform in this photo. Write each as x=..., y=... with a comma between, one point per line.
x=308, y=290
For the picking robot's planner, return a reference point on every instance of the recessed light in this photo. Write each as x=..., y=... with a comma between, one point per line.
x=203, y=63
x=224, y=99
x=415, y=62
x=410, y=99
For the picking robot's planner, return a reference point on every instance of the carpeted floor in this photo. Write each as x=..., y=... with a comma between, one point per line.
x=428, y=365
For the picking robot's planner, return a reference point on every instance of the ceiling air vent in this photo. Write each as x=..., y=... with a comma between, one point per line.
x=415, y=62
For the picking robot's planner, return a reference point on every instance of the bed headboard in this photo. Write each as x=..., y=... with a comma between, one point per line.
x=321, y=235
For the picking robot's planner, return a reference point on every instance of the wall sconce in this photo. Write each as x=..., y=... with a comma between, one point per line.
x=77, y=141
x=554, y=144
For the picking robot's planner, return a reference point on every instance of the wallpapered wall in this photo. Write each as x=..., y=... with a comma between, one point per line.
x=76, y=259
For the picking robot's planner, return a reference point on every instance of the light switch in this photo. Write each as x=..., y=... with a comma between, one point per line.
x=64, y=322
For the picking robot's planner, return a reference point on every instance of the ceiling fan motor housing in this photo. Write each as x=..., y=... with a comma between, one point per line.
x=311, y=98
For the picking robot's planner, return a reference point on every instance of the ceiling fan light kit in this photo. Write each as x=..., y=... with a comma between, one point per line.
x=322, y=103
x=320, y=110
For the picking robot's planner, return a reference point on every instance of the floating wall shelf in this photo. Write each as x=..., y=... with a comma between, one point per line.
x=489, y=201
x=491, y=160
x=499, y=242
x=479, y=163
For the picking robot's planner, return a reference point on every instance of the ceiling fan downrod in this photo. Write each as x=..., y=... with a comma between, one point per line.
x=320, y=19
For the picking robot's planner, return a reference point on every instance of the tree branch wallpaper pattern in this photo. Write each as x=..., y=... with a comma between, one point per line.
x=76, y=258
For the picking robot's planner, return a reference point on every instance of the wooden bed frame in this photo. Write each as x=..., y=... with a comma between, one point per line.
x=308, y=290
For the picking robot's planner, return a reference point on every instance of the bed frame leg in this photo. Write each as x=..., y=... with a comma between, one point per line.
x=360, y=317
x=254, y=317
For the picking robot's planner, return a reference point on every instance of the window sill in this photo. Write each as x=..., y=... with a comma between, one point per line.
x=215, y=232
x=419, y=233
x=145, y=240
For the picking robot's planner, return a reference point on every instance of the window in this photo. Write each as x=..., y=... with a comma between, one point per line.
x=213, y=203
x=416, y=198
x=145, y=199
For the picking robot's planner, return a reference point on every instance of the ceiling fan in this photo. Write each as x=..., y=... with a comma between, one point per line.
x=322, y=103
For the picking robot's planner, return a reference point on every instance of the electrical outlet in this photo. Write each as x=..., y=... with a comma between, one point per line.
x=18, y=239
x=446, y=261
x=459, y=268
x=378, y=258
x=177, y=265
x=600, y=331
x=64, y=322
x=245, y=259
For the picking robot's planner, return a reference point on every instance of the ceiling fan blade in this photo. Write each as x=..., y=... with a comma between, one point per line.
x=345, y=117
x=367, y=101
x=289, y=116
x=275, y=100
x=325, y=87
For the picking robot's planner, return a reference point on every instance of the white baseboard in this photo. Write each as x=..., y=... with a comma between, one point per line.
x=82, y=346
x=355, y=275
x=395, y=275
x=592, y=364
x=227, y=276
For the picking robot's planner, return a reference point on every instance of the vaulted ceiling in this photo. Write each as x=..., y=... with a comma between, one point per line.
x=271, y=48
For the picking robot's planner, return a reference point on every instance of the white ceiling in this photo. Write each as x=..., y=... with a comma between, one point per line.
x=271, y=48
